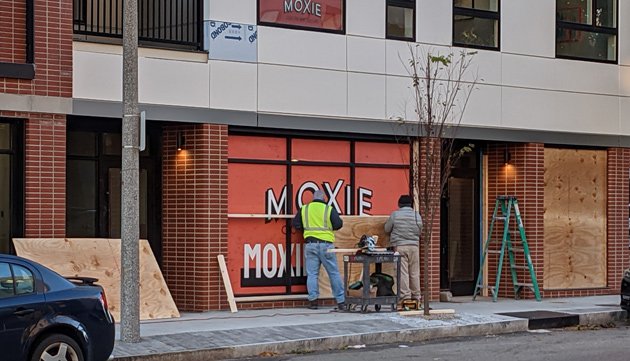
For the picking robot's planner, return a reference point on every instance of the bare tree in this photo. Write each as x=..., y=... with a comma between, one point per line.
x=441, y=91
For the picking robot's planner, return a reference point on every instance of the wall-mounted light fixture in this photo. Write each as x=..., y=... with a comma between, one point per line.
x=507, y=156
x=181, y=141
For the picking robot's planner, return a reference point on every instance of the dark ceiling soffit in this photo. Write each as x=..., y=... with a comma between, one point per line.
x=17, y=71
x=109, y=109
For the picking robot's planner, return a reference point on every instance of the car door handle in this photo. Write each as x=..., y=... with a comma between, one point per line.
x=23, y=311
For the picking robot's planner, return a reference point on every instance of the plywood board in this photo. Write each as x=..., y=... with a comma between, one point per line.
x=347, y=237
x=575, y=218
x=100, y=258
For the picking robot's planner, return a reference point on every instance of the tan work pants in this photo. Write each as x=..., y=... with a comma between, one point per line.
x=409, y=272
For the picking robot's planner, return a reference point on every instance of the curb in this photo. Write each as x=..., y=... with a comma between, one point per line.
x=373, y=338
x=335, y=342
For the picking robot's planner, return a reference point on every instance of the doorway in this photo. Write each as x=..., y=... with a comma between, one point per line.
x=459, y=236
x=11, y=183
x=93, y=182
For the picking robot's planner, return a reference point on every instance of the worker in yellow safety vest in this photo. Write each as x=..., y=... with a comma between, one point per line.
x=318, y=220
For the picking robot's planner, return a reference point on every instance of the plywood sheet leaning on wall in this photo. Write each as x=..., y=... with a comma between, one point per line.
x=100, y=258
x=575, y=218
x=347, y=237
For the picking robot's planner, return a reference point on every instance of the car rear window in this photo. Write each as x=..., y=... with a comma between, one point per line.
x=6, y=281
x=24, y=281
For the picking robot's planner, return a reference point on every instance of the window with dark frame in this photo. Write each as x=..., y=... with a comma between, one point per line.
x=587, y=30
x=401, y=20
x=476, y=23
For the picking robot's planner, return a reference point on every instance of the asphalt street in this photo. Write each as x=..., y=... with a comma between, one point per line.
x=610, y=343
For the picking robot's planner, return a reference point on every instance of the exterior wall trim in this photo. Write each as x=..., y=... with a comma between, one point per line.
x=35, y=104
x=113, y=109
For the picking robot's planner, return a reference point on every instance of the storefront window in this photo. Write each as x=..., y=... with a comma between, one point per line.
x=5, y=136
x=270, y=178
x=81, y=144
x=476, y=23
x=587, y=29
x=401, y=19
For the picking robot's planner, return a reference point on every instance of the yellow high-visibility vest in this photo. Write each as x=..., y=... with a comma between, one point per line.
x=316, y=221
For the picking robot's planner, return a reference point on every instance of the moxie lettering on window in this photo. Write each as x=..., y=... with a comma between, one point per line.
x=308, y=7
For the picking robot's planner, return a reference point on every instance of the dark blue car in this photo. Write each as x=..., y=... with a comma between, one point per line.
x=44, y=316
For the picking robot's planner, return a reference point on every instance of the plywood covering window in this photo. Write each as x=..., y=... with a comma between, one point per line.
x=575, y=218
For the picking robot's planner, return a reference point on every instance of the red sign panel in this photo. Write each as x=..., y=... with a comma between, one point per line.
x=270, y=178
x=315, y=14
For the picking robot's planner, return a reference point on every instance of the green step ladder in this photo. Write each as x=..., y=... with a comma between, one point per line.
x=507, y=203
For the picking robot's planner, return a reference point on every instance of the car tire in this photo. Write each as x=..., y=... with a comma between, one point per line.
x=57, y=345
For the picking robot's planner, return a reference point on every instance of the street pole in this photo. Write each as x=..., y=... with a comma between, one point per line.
x=130, y=208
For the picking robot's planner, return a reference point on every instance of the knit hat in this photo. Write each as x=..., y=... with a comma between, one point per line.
x=404, y=200
x=319, y=195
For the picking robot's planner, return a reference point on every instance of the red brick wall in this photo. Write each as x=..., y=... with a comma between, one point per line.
x=13, y=31
x=45, y=173
x=434, y=147
x=194, y=208
x=617, y=217
x=524, y=178
x=53, y=46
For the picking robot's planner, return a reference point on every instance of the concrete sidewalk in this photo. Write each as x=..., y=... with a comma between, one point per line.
x=220, y=335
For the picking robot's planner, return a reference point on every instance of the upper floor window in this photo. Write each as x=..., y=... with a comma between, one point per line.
x=476, y=23
x=587, y=29
x=178, y=23
x=401, y=19
x=318, y=15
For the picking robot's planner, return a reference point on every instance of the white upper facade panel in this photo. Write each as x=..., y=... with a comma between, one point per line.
x=349, y=59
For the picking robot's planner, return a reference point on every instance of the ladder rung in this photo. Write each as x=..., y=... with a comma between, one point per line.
x=494, y=252
x=520, y=249
x=500, y=218
x=520, y=267
x=525, y=284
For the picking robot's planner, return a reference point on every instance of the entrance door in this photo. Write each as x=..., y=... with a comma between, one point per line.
x=460, y=228
x=94, y=183
x=11, y=171
x=111, y=211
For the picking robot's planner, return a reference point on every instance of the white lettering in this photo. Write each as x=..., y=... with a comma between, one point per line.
x=306, y=185
x=276, y=206
x=308, y=7
x=348, y=199
x=251, y=254
x=269, y=253
x=364, y=203
x=288, y=6
x=296, y=251
x=332, y=194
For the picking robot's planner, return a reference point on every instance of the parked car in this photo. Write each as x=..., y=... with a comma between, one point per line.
x=44, y=316
x=625, y=290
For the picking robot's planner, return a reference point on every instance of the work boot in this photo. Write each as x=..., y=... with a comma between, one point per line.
x=312, y=305
x=341, y=306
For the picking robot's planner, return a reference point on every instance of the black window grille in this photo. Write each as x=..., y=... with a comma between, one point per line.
x=587, y=30
x=476, y=24
x=176, y=22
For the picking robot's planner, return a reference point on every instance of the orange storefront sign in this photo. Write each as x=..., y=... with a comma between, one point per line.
x=270, y=178
x=315, y=14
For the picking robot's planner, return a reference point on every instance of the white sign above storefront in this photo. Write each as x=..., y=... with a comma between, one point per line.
x=231, y=41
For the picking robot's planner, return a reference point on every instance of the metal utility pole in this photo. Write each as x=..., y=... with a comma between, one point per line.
x=130, y=206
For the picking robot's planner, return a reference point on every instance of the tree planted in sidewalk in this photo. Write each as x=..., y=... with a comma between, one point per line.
x=441, y=90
